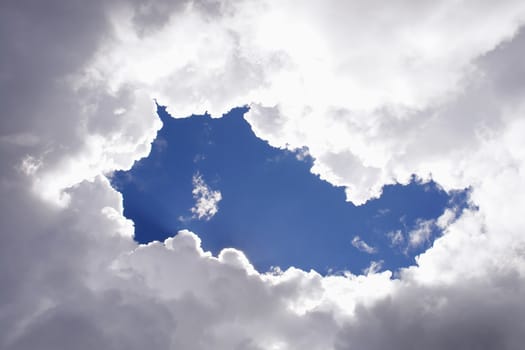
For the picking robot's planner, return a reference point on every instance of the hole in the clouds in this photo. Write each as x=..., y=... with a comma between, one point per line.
x=216, y=178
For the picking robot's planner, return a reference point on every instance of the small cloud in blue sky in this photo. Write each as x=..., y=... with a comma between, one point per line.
x=361, y=245
x=421, y=233
x=374, y=267
x=206, y=199
x=396, y=237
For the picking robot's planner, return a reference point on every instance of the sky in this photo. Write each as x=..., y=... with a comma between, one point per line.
x=266, y=202
x=383, y=96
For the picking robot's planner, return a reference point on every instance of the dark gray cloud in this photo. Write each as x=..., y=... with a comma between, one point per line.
x=468, y=315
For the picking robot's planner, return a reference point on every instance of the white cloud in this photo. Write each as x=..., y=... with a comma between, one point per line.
x=421, y=233
x=382, y=101
x=206, y=199
x=361, y=245
x=396, y=237
x=374, y=267
x=378, y=91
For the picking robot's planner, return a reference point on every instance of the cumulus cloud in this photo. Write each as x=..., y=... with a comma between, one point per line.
x=376, y=91
x=206, y=199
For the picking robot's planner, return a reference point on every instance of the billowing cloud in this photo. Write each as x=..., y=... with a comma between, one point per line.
x=376, y=91
x=396, y=237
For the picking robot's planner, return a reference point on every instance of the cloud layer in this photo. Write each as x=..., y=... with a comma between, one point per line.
x=376, y=91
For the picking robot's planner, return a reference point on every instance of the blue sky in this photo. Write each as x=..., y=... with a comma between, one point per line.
x=271, y=207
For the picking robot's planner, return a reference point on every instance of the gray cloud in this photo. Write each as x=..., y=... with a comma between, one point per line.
x=469, y=315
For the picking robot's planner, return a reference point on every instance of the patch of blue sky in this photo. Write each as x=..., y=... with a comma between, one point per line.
x=270, y=205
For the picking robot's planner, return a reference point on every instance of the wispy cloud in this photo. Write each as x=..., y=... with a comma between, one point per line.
x=361, y=245
x=396, y=237
x=416, y=236
x=421, y=233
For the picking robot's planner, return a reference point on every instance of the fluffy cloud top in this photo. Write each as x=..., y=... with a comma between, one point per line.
x=376, y=91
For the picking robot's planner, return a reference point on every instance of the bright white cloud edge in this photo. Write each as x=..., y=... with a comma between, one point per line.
x=71, y=273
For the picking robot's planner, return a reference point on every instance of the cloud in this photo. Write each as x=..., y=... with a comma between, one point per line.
x=361, y=245
x=374, y=267
x=207, y=200
x=378, y=92
x=396, y=237
x=54, y=116
x=382, y=111
x=421, y=233
x=433, y=318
